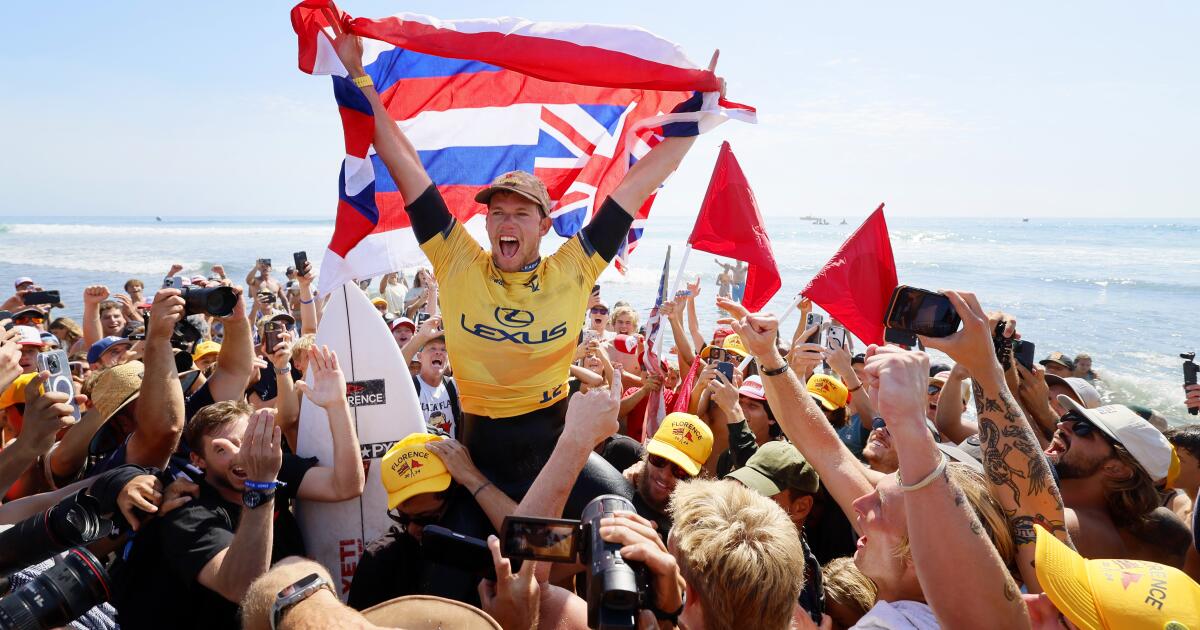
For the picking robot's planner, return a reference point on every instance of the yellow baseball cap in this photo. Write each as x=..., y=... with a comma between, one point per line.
x=830, y=391
x=205, y=348
x=733, y=343
x=685, y=440
x=410, y=469
x=1112, y=594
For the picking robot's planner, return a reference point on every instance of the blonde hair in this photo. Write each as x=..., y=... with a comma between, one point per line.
x=987, y=509
x=625, y=310
x=303, y=345
x=740, y=553
x=74, y=332
x=846, y=586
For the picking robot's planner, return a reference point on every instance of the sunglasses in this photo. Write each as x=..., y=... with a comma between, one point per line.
x=600, y=310
x=1081, y=426
x=25, y=319
x=662, y=462
x=934, y=390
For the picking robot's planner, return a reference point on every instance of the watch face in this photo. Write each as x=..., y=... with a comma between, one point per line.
x=252, y=498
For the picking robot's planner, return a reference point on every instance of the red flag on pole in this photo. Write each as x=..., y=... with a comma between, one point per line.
x=730, y=225
x=856, y=284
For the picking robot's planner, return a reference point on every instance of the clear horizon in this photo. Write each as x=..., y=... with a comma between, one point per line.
x=1068, y=110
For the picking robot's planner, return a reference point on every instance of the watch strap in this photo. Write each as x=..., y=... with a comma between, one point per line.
x=294, y=593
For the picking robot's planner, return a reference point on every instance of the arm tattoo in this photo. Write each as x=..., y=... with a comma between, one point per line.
x=1025, y=534
x=998, y=444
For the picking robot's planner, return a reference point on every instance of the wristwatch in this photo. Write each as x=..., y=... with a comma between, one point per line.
x=295, y=593
x=254, y=498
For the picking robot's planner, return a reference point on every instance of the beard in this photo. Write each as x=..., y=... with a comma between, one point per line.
x=1076, y=470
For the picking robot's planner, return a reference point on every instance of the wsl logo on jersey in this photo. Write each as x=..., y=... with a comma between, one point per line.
x=365, y=393
x=516, y=326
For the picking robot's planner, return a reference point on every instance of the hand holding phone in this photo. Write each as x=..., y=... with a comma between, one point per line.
x=726, y=369
x=921, y=312
x=1190, y=372
x=59, y=366
x=37, y=298
x=835, y=338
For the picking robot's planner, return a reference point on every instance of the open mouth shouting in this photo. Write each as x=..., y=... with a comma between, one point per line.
x=238, y=472
x=509, y=246
x=1059, y=444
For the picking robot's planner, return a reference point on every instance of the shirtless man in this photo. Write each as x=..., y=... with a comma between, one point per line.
x=259, y=280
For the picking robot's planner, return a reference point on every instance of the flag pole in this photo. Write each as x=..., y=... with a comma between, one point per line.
x=782, y=318
x=679, y=274
x=658, y=334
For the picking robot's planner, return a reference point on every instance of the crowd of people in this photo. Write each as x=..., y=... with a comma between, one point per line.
x=769, y=480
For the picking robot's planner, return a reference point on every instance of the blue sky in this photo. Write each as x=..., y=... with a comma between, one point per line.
x=944, y=109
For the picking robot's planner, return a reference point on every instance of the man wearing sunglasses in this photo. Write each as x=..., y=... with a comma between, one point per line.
x=597, y=322
x=677, y=452
x=1108, y=460
x=32, y=317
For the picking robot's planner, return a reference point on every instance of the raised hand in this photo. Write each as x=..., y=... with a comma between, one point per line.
x=458, y=462
x=723, y=393
x=694, y=288
x=261, y=454
x=166, y=311
x=514, y=599
x=839, y=359
x=348, y=46
x=46, y=413
x=175, y=268
x=282, y=353
x=592, y=417
x=901, y=378
x=641, y=543
x=329, y=384
x=95, y=294
x=10, y=354
x=219, y=270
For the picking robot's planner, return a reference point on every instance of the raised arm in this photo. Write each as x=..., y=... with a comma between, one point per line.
x=310, y=315
x=683, y=346
x=797, y=414
x=248, y=556
x=949, y=419
x=45, y=414
x=345, y=479
x=235, y=362
x=427, y=332
x=694, y=321
x=92, y=330
x=942, y=528
x=287, y=405
x=1018, y=472
x=495, y=504
x=160, y=401
x=397, y=153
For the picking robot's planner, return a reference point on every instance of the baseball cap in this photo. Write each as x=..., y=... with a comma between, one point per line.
x=520, y=182
x=205, y=348
x=282, y=316
x=29, y=311
x=733, y=343
x=100, y=347
x=425, y=612
x=1083, y=389
x=197, y=279
x=30, y=336
x=939, y=368
x=683, y=439
x=775, y=467
x=830, y=391
x=378, y=301
x=1127, y=594
x=403, y=321
x=1150, y=415
x=410, y=469
x=22, y=280
x=48, y=339
x=15, y=394
x=752, y=387
x=961, y=456
x=625, y=344
x=1147, y=445
x=1059, y=358
x=721, y=332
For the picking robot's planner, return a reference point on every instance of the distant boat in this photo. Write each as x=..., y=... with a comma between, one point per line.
x=1024, y=220
x=160, y=219
x=843, y=222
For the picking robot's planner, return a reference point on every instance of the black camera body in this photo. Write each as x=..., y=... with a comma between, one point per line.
x=1190, y=371
x=616, y=588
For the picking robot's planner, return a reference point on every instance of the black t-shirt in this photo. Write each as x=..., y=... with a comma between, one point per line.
x=644, y=510
x=266, y=387
x=156, y=578
x=202, y=398
x=381, y=575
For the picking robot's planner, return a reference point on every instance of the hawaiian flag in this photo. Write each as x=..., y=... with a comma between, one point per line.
x=574, y=104
x=656, y=407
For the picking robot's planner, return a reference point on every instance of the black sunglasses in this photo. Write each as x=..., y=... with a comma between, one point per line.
x=662, y=462
x=1081, y=426
x=600, y=309
x=934, y=390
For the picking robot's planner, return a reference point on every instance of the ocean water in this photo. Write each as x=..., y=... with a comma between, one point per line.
x=1125, y=291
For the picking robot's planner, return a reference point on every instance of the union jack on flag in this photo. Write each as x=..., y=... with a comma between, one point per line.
x=574, y=104
x=656, y=408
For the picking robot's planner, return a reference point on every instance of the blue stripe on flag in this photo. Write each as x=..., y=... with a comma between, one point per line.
x=364, y=201
x=477, y=166
x=570, y=223
x=349, y=96
x=397, y=64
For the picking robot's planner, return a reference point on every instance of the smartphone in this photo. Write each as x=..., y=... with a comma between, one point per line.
x=534, y=538
x=464, y=552
x=1003, y=345
x=421, y=317
x=173, y=282
x=59, y=366
x=266, y=296
x=265, y=262
x=813, y=319
x=34, y=298
x=921, y=312
x=300, y=259
x=272, y=335
x=1023, y=353
x=726, y=368
x=835, y=338
x=595, y=289
x=1190, y=371
x=78, y=368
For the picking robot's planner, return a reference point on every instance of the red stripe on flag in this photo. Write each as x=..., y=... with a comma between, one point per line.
x=349, y=228
x=584, y=145
x=459, y=199
x=539, y=57
x=359, y=129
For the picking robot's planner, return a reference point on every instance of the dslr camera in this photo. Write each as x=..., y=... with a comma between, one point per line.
x=217, y=301
x=616, y=588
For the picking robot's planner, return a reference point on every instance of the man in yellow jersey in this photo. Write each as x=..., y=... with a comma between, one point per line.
x=511, y=317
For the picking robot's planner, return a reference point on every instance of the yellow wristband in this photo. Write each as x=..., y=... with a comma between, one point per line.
x=363, y=81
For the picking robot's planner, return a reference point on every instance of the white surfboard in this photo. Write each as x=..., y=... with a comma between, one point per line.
x=384, y=408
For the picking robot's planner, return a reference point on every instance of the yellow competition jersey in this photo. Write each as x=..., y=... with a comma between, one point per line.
x=510, y=336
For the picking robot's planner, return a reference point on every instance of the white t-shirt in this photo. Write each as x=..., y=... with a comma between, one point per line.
x=902, y=615
x=435, y=404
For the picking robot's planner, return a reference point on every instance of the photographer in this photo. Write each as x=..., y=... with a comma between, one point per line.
x=235, y=361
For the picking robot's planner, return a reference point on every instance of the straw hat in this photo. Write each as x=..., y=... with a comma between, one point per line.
x=116, y=387
x=426, y=612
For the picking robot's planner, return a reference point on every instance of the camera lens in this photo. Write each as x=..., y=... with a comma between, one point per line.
x=70, y=588
x=217, y=301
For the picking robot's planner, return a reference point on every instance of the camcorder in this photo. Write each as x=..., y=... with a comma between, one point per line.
x=1190, y=371
x=75, y=583
x=616, y=588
